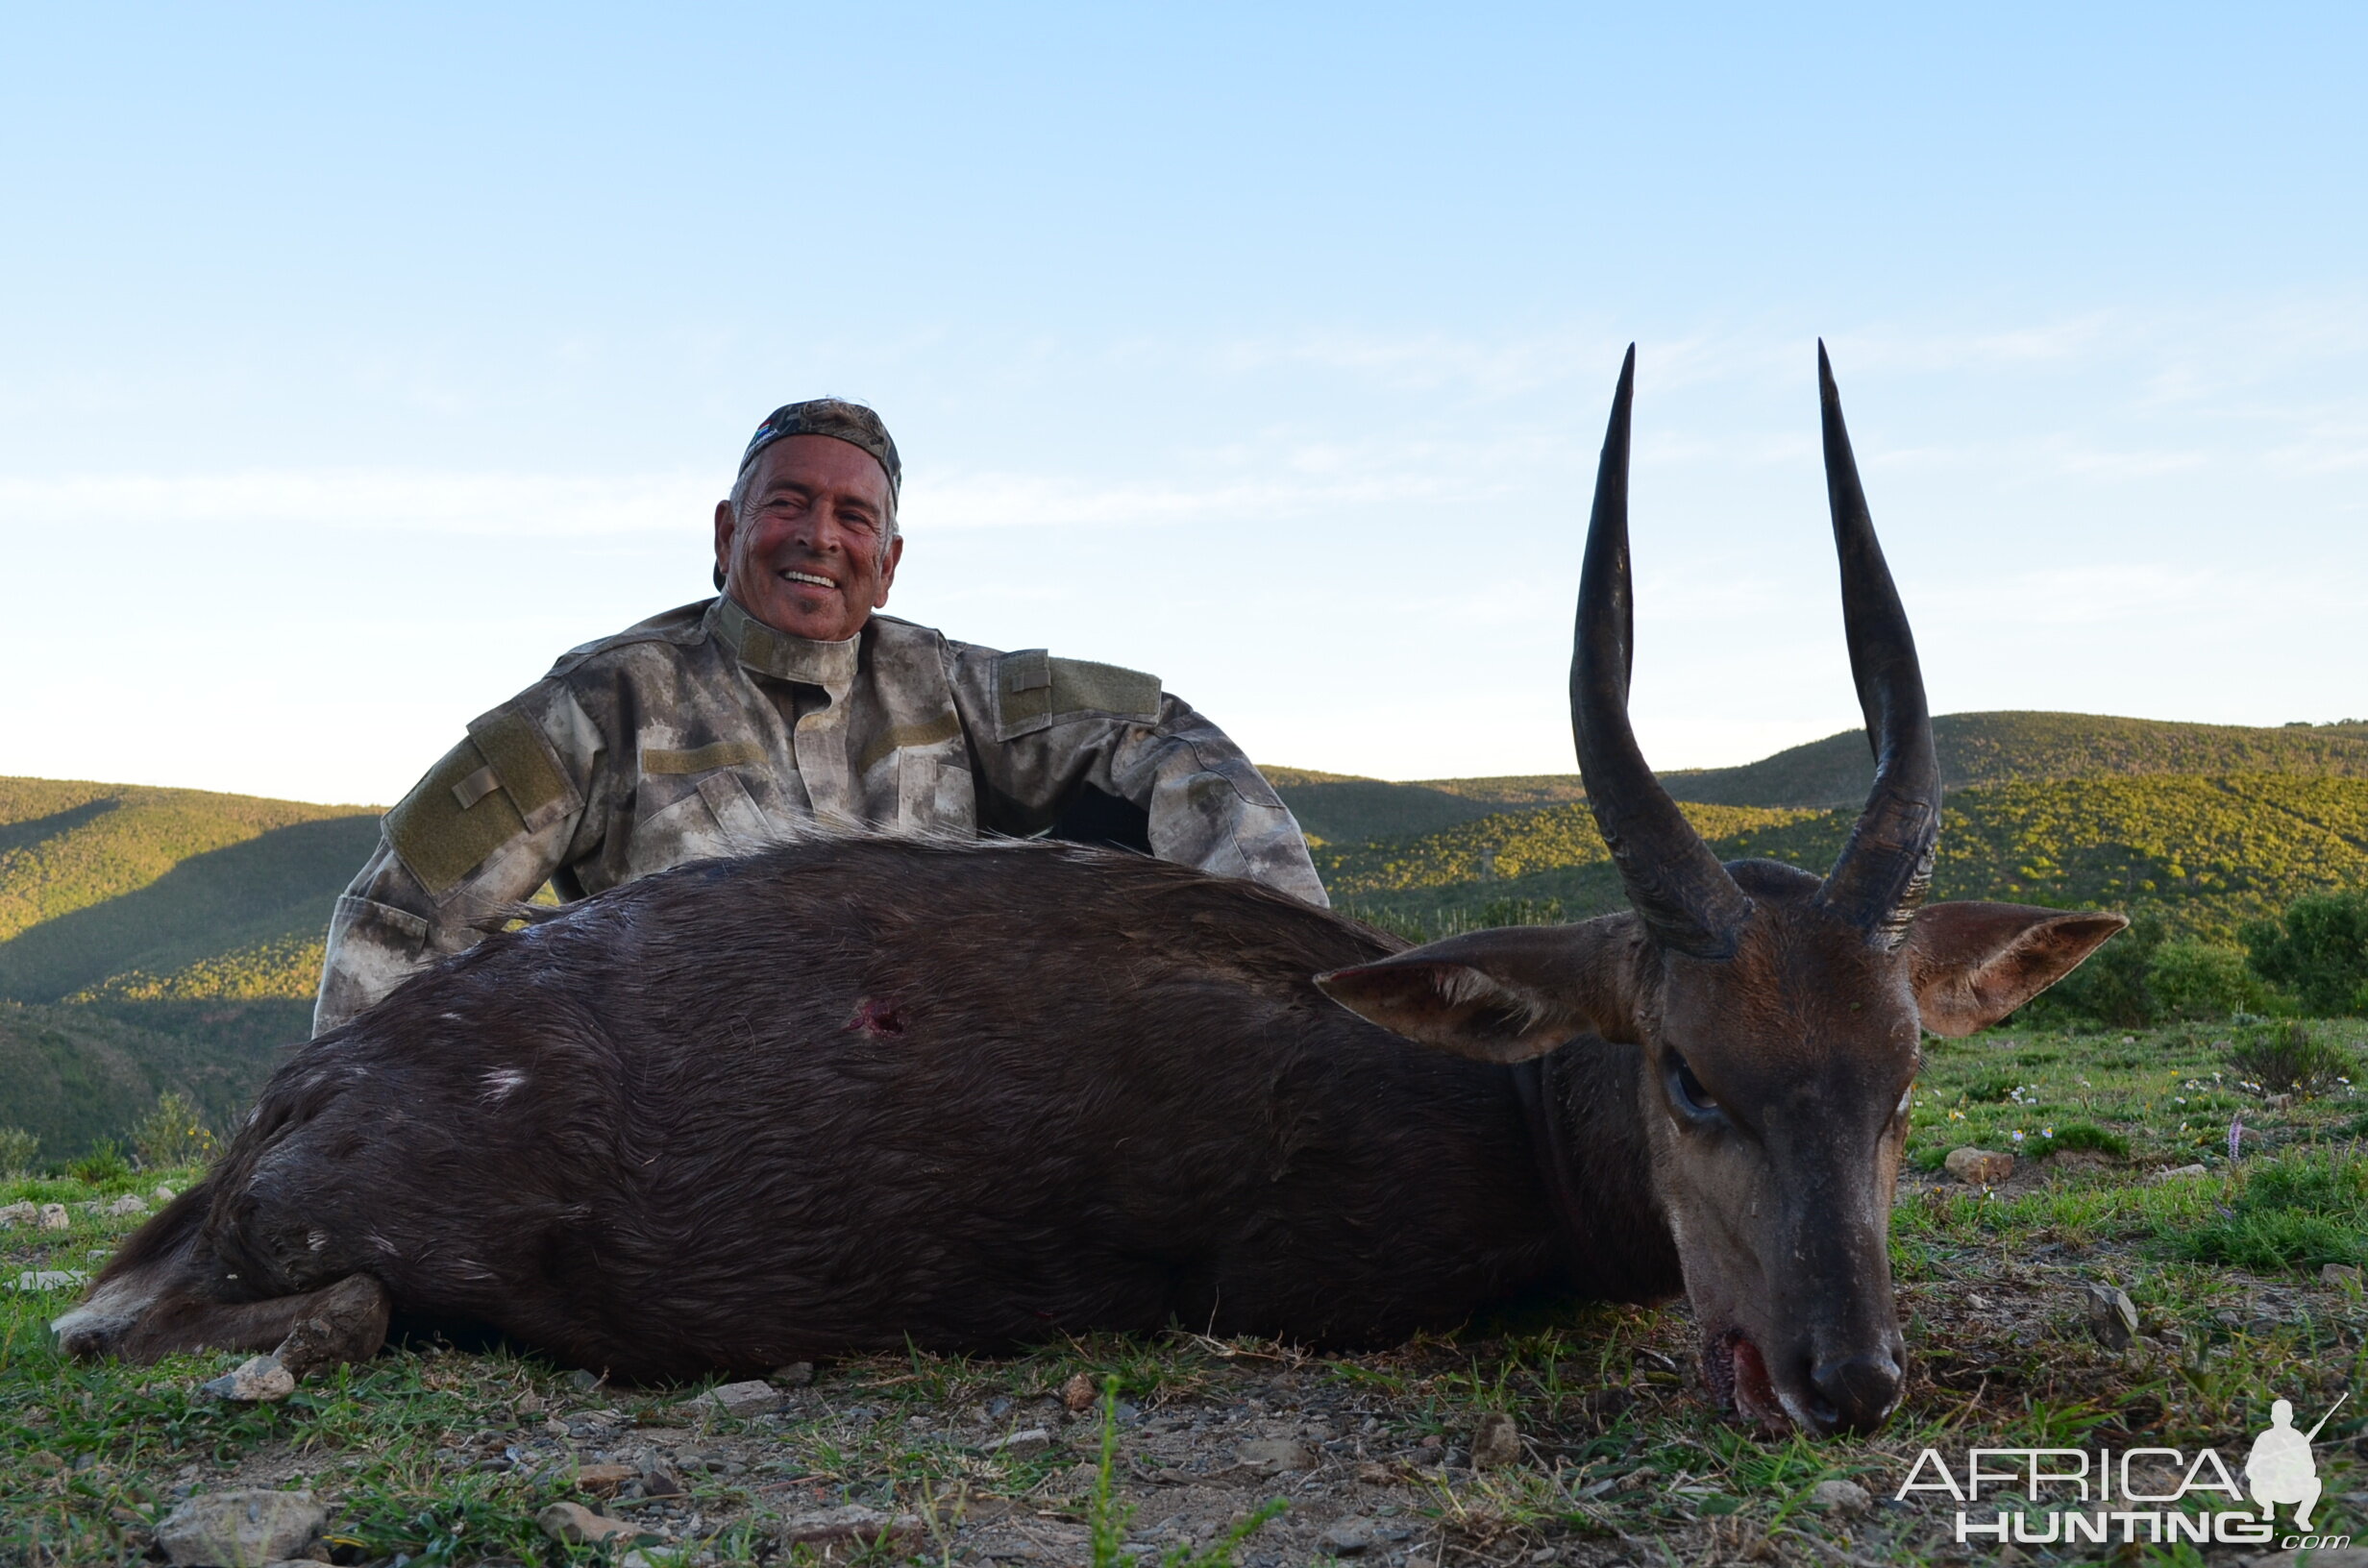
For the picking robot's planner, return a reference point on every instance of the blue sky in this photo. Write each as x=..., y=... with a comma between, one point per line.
x=354, y=363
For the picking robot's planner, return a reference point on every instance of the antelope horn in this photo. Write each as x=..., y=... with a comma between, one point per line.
x=1685, y=898
x=1886, y=865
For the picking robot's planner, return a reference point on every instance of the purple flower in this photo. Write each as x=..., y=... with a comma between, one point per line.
x=2236, y=1130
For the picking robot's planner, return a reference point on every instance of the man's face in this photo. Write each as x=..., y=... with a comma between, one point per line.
x=805, y=554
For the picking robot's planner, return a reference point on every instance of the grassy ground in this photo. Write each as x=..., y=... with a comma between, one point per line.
x=440, y=1456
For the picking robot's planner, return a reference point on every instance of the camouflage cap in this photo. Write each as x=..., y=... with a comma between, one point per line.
x=842, y=421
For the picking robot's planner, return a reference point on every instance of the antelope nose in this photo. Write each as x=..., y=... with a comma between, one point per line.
x=1859, y=1389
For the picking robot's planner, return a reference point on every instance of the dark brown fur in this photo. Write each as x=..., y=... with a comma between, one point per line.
x=853, y=1092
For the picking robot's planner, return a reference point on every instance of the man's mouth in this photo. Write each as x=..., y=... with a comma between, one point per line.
x=809, y=578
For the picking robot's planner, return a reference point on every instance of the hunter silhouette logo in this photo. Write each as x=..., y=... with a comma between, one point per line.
x=2281, y=1468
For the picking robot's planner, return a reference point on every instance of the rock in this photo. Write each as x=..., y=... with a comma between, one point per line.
x=1374, y=1473
x=19, y=1213
x=1346, y=1537
x=54, y=1217
x=2278, y=1102
x=1272, y=1456
x=2112, y=1316
x=2342, y=1557
x=2340, y=1275
x=658, y=1479
x=1079, y=1393
x=743, y=1400
x=572, y=1524
x=584, y=1380
x=241, y=1530
x=259, y=1380
x=1979, y=1167
x=796, y=1375
x=165, y=1194
x=51, y=1279
x=851, y=1524
x=1842, y=1497
x=2176, y=1173
x=1019, y=1445
x=604, y=1479
x=1495, y=1442
x=127, y=1205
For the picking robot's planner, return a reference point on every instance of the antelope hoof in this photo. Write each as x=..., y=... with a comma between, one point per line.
x=347, y=1322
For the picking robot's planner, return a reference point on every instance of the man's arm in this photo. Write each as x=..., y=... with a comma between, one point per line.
x=1043, y=728
x=487, y=826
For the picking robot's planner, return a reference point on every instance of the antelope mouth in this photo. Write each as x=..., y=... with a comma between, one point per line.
x=1738, y=1377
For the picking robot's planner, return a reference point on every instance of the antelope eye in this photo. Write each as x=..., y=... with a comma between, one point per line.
x=1686, y=1090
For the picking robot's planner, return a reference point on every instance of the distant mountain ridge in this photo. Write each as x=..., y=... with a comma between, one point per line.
x=2033, y=747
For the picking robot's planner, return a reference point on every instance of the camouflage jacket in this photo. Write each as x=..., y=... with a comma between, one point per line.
x=704, y=732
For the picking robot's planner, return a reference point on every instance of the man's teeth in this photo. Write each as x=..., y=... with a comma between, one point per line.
x=808, y=577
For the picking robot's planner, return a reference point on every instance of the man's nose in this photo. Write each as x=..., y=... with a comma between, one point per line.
x=818, y=533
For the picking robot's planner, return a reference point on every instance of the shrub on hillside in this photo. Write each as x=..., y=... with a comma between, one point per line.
x=173, y=1133
x=2202, y=980
x=17, y=1150
x=2318, y=950
x=2290, y=1059
x=105, y=1162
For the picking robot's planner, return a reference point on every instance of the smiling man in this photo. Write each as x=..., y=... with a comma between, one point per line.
x=784, y=707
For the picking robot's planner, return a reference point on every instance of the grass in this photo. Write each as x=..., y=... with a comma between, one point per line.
x=445, y=1456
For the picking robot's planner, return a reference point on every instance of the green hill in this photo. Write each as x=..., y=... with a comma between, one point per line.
x=1974, y=748
x=162, y=939
x=2204, y=852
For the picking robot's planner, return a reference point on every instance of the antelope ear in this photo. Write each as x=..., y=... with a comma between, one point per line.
x=1975, y=963
x=1502, y=996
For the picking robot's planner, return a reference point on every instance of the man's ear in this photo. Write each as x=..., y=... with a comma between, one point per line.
x=888, y=572
x=726, y=526
x=1975, y=963
x=1503, y=996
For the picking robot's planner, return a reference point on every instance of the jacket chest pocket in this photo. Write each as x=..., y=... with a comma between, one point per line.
x=707, y=817
x=933, y=793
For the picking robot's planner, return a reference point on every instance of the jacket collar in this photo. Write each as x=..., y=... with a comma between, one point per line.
x=767, y=651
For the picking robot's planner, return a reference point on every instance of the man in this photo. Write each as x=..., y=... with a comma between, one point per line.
x=784, y=707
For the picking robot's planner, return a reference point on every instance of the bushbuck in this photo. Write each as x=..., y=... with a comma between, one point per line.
x=853, y=1093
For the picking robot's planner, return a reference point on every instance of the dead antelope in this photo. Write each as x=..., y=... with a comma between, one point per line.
x=851, y=1092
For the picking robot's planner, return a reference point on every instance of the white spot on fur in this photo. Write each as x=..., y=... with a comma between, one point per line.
x=317, y=1239
x=501, y=1083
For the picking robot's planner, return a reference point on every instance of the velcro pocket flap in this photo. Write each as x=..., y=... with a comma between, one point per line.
x=526, y=765
x=438, y=838
x=1034, y=689
x=656, y=760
